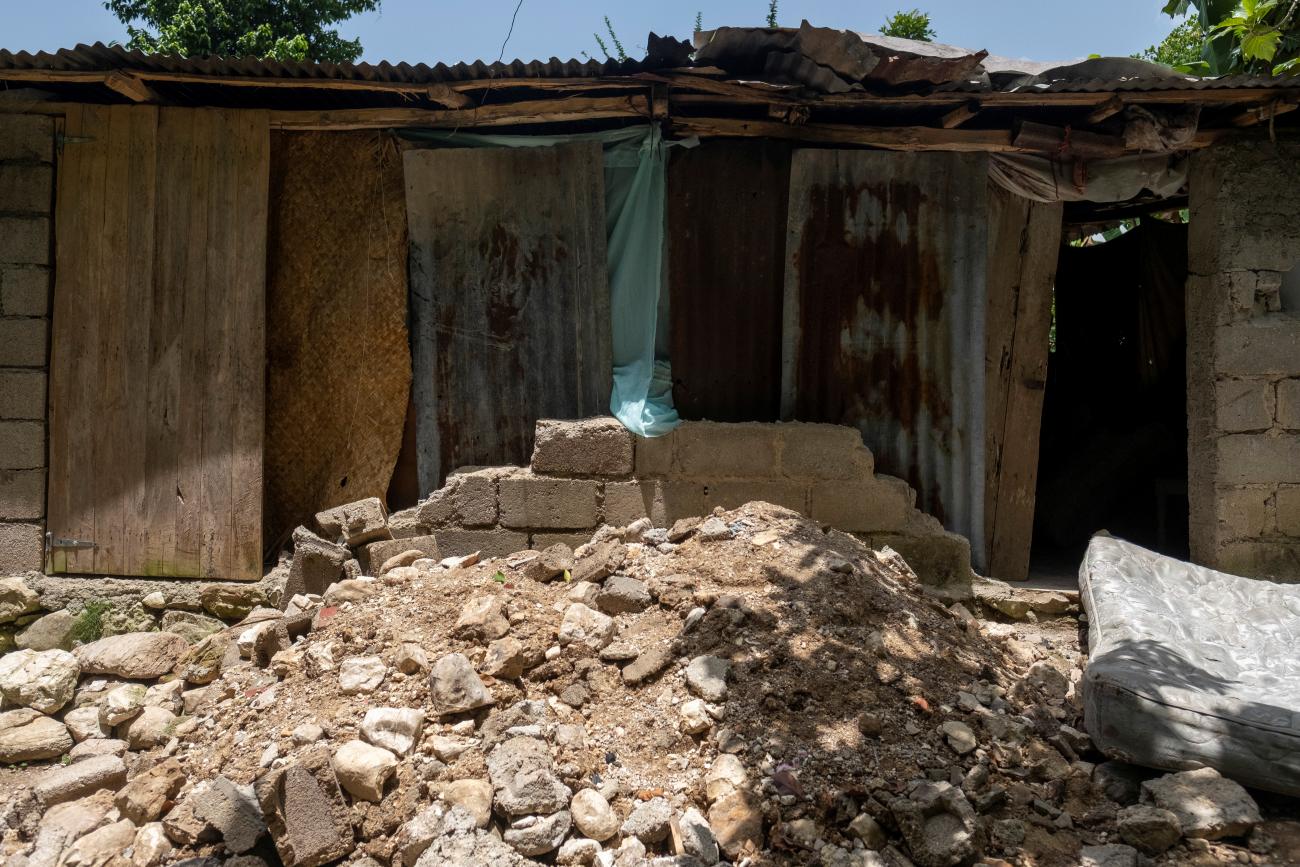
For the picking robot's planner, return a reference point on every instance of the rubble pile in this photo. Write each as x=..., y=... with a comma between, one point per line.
x=745, y=689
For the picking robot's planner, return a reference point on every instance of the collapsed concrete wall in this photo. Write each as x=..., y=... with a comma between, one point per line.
x=588, y=473
x=1243, y=360
x=26, y=203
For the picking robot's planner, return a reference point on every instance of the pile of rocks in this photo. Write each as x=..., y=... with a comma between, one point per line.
x=743, y=689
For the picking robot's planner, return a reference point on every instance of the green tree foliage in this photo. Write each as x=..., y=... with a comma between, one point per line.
x=1260, y=37
x=1181, y=49
x=275, y=29
x=618, y=52
x=912, y=24
x=771, y=14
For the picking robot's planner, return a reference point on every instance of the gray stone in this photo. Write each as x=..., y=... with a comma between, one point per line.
x=96, y=747
x=648, y=664
x=1109, y=855
x=582, y=625
x=317, y=563
x=479, y=849
x=959, y=737
x=522, y=779
x=697, y=837
x=70, y=782
x=550, y=563
x=707, y=677
x=134, y=655
x=361, y=674
x=454, y=686
x=1120, y=781
x=506, y=658
x=122, y=703
x=577, y=850
x=648, y=821
x=231, y=810
x=305, y=811
x=152, y=727
x=351, y=590
x=1207, y=805
x=939, y=825
x=101, y=846
x=355, y=523
x=1149, y=829
x=623, y=595
x=541, y=836
x=51, y=632
x=27, y=735
x=190, y=625
x=83, y=723
x=603, y=560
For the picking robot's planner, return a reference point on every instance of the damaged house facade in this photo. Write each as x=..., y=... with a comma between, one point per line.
x=836, y=273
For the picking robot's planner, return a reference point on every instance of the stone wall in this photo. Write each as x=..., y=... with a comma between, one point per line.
x=26, y=230
x=1244, y=360
x=585, y=474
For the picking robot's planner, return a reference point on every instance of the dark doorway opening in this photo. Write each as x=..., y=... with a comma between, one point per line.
x=1113, y=450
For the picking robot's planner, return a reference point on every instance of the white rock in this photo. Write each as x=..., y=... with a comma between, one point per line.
x=166, y=695
x=541, y=836
x=394, y=728
x=151, y=846
x=43, y=680
x=577, y=850
x=307, y=733
x=319, y=659
x=449, y=749
x=155, y=600
x=152, y=727
x=697, y=836
x=84, y=723
x=695, y=717
x=593, y=815
x=359, y=674
x=351, y=590
x=960, y=737
x=583, y=625
x=707, y=677
x=122, y=703
x=726, y=776
x=362, y=769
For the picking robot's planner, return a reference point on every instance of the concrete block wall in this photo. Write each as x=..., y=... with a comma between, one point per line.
x=1243, y=360
x=587, y=473
x=26, y=249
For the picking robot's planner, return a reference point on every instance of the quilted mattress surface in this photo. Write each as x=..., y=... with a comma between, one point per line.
x=1189, y=667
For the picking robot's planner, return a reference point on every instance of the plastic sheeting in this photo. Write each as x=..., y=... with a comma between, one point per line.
x=1114, y=180
x=635, y=161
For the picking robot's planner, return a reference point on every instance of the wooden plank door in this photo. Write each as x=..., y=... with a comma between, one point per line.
x=1023, y=240
x=509, y=299
x=158, y=355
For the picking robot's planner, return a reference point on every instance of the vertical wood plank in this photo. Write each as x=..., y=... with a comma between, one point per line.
x=249, y=311
x=1023, y=241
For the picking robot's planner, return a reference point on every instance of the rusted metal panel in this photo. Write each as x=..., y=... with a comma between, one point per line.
x=726, y=270
x=884, y=315
x=509, y=299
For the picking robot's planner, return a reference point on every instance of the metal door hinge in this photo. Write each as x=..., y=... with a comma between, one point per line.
x=52, y=542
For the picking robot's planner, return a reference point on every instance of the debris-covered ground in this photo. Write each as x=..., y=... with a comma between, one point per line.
x=750, y=689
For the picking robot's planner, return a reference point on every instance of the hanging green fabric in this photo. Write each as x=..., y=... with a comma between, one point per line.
x=635, y=166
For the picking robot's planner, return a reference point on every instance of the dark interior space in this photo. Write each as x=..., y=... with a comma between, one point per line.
x=1113, y=451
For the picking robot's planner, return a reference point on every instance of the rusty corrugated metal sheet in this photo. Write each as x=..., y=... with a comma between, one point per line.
x=884, y=315
x=726, y=268
x=509, y=299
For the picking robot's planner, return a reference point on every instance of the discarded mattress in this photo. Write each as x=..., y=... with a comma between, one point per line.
x=1189, y=667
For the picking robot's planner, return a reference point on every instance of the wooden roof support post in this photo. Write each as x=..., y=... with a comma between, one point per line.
x=1267, y=111
x=960, y=114
x=131, y=87
x=1106, y=110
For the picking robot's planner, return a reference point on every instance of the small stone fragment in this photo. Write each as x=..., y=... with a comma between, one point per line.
x=361, y=674
x=593, y=815
x=362, y=769
x=455, y=687
x=707, y=677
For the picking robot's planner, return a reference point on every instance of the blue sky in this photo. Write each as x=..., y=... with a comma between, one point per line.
x=426, y=30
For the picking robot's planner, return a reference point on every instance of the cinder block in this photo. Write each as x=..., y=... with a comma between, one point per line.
x=26, y=187
x=875, y=506
x=1243, y=513
x=536, y=502
x=1243, y=405
x=1258, y=459
x=22, y=445
x=1288, y=404
x=823, y=451
x=475, y=498
x=938, y=559
x=22, y=394
x=654, y=455
x=715, y=450
x=542, y=541
x=25, y=240
x=1287, y=506
x=22, y=495
x=26, y=137
x=730, y=494
x=1273, y=560
x=455, y=542
x=1266, y=346
x=372, y=555
x=590, y=447
x=663, y=501
x=22, y=342
x=22, y=548
x=355, y=523
x=24, y=290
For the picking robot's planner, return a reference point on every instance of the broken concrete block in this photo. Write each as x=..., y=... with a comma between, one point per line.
x=355, y=523
x=316, y=565
x=590, y=447
x=305, y=811
x=374, y=555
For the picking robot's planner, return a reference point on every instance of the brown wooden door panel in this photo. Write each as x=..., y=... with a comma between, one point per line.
x=158, y=349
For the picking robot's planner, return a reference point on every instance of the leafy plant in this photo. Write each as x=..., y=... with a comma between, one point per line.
x=618, y=52
x=89, y=625
x=911, y=24
x=1253, y=36
x=699, y=22
x=276, y=29
x=1181, y=49
x=771, y=14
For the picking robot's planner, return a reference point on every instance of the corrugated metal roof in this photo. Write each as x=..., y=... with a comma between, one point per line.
x=103, y=58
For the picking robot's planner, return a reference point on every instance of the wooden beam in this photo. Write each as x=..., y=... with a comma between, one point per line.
x=1067, y=142
x=490, y=114
x=907, y=138
x=448, y=98
x=1268, y=111
x=733, y=89
x=1107, y=109
x=960, y=114
x=131, y=87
